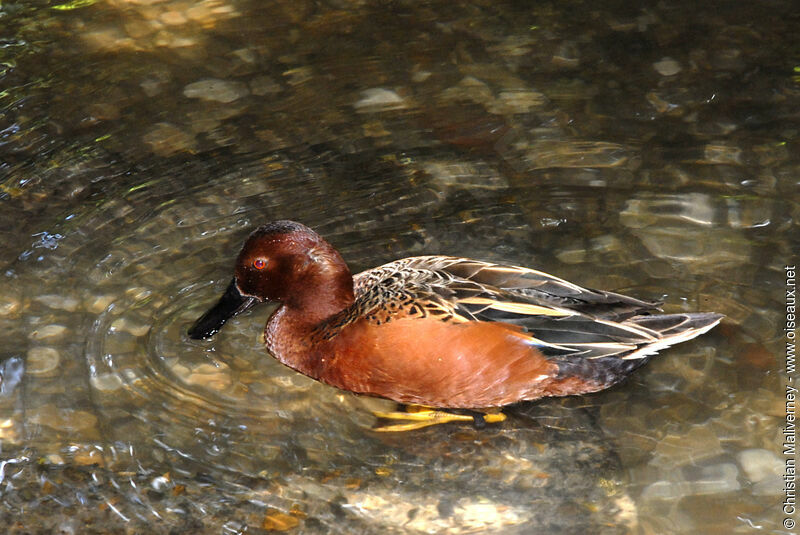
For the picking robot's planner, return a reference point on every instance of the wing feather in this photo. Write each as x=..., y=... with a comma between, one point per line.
x=561, y=319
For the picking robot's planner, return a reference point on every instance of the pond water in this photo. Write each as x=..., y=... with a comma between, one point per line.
x=652, y=149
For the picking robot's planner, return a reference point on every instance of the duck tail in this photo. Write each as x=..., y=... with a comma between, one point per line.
x=661, y=330
x=671, y=329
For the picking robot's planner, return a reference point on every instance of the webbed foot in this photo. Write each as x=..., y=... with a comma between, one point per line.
x=417, y=417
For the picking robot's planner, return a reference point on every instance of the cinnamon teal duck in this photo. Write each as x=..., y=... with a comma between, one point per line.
x=439, y=331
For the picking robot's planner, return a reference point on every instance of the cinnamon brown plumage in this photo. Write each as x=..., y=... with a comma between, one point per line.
x=441, y=331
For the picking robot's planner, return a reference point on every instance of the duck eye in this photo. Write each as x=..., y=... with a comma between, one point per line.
x=259, y=263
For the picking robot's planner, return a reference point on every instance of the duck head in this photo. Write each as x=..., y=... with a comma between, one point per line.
x=286, y=262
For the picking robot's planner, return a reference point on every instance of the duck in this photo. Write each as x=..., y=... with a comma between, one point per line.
x=442, y=334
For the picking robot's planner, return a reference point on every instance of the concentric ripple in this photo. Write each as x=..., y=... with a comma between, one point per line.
x=116, y=373
x=227, y=394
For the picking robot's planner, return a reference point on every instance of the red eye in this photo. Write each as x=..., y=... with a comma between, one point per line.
x=259, y=263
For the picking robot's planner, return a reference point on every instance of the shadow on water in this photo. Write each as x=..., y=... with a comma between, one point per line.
x=621, y=148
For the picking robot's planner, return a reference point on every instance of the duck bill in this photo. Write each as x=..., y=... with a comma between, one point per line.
x=230, y=304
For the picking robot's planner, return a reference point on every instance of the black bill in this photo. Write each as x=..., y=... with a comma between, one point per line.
x=230, y=304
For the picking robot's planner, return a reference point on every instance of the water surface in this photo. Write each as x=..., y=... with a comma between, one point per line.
x=651, y=150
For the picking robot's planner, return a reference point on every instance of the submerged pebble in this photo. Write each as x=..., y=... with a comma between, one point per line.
x=469, y=88
x=667, y=67
x=127, y=326
x=216, y=90
x=575, y=154
x=53, y=458
x=9, y=305
x=10, y=431
x=166, y=139
x=42, y=360
x=60, y=302
x=88, y=457
x=173, y=18
x=68, y=420
x=100, y=303
x=210, y=376
x=48, y=332
x=106, y=382
x=694, y=446
x=379, y=99
x=513, y=102
x=714, y=479
x=764, y=468
x=467, y=515
x=669, y=209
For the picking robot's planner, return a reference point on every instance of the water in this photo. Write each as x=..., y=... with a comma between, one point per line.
x=650, y=150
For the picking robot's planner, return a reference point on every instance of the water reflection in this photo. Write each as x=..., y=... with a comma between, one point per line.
x=619, y=147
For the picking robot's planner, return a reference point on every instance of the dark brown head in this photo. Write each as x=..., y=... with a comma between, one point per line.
x=287, y=262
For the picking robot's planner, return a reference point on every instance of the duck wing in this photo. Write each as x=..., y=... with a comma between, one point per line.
x=559, y=318
x=537, y=287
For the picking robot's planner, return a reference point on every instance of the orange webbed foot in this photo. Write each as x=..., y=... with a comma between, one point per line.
x=418, y=417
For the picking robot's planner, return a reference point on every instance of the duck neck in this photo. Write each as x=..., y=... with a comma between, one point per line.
x=320, y=295
x=288, y=331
